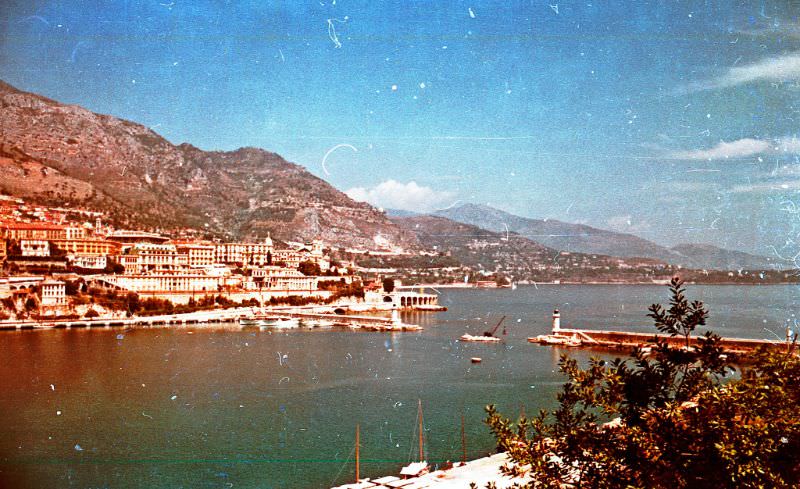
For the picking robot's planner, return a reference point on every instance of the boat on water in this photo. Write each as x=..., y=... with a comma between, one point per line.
x=286, y=323
x=321, y=323
x=486, y=337
x=480, y=338
x=265, y=322
x=256, y=322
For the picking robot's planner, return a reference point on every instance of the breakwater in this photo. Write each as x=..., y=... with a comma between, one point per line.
x=624, y=340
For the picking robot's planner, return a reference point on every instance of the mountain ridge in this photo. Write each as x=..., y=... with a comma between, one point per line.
x=581, y=238
x=103, y=162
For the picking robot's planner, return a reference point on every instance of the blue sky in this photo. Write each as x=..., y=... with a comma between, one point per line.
x=676, y=121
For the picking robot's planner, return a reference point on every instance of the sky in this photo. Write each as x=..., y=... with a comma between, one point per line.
x=676, y=121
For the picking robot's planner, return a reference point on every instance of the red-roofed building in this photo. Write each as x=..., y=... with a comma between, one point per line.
x=33, y=230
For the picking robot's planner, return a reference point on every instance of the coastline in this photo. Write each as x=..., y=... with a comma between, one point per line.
x=196, y=318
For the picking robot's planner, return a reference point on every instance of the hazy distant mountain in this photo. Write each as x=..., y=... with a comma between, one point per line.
x=557, y=234
x=468, y=242
x=586, y=239
x=709, y=256
x=56, y=153
x=519, y=258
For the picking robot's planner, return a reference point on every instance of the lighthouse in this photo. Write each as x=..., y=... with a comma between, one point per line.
x=556, y=322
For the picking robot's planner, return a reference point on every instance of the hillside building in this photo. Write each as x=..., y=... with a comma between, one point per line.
x=241, y=254
x=149, y=257
x=53, y=294
x=89, y=262
x=278, y=278
x=197, y=254
x=87, y=246
x=33, y=230
x=165, y=283
x=34, y=247
x=127, y=237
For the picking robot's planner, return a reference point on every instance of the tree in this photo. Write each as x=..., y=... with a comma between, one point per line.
x=667, y=419
x=501, y=280
x=388, y=285
x=113, y=267
x=13, y=248
x=55, y=250
x=309, y=268
x=73, y=287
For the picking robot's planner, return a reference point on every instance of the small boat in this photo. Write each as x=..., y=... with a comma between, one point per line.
x=487, y=337
x=286, y=323
x=480, y=339
x=414, y=469
x=476, y=359
x=322, y=323
x=261, y=323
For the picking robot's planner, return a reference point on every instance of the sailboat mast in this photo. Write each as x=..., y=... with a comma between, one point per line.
x=463, y=441
x=358, y=436
x=419, y=415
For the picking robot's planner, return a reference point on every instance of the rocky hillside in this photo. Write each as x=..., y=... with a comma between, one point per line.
x=56, y=153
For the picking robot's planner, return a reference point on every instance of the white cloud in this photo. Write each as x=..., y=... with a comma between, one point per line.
x=741, y=148
x=404, y=196
x=734, y=149
x=779, y=68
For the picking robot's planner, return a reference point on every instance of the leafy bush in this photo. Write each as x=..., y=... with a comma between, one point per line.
x=668, y=419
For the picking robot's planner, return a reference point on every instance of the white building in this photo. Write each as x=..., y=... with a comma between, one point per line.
x=165, y=283
x=150, y=257
x=277, y=278
x=35, y=247
x=75, y=232
x=311, y=251
x=245, y=253
x=89, y=262
x=53, y=294
x=198, y=255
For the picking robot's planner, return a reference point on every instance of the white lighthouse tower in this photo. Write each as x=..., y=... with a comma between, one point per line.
x=556, y=322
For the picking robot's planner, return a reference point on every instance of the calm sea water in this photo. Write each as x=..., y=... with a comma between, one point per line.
x=221, y=407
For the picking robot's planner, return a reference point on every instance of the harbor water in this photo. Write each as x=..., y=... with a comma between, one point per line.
x=218, y=406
